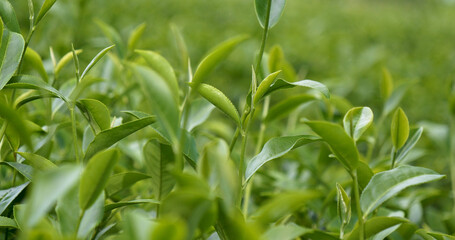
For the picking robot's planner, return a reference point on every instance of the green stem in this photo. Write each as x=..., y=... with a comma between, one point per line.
x=264, y=38
x=74, y=130
x=394, y=157
x=359, y=209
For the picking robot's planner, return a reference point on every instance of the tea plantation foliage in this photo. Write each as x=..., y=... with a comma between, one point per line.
x=258, y=119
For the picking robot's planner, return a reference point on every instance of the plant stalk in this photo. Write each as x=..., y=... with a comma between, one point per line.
x=74, y=130
x=359, y=209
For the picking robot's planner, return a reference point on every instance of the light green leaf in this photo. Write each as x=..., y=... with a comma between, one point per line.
x=35, y=61
x=386, y=84
x=1, y=30
x=168, y=230
x=262, y=9
x=277, y=62
x=283, y=84
x=113, y=36
x=217, y=98
x=181, y=50
x=343, y=205
x=159, y=160
x=64, y=60
x=11, y=50
x=44, y=9
x=441, y=236
x=284, y=107
x=275, y=148
x=37, y=162
x=10, y=195
x=47, y=188
x=121, y=181
x=374, y=226
x=339, y=142
x=399, y=129
x=200, y=110
x=23, y=169
x=357, y=121
x=385, y=185
x=218, y=54
x=161, y=66
x=95, y=60
x=164, y=105
x=285, y=232
x=410, y=143
x=364, y=174
x=8, y=16
x=92, y=217
x=110, y=136
x=275, y=208
x=32, y=82
x=7, y=223
x=112, y=206
x=264, y=86
x=95, y=176
x=97, y=113
x=135, y=35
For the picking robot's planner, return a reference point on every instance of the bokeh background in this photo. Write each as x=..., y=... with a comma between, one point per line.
x=344, y=44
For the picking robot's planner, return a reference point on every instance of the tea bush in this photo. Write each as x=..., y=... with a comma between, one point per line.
x=112, y=129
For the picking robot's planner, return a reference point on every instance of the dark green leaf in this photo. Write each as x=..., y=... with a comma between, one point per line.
x=159, y=160
x=385, y=185
x=10, y=195
x=8, y=16
x=95, y=176
x=32, y=82
x=24, y=170
x=109, y=137
x=121, y=181
x=340, y=143
x=11, y=50
x=276, y=9
x=275, y=148
x=7, y=222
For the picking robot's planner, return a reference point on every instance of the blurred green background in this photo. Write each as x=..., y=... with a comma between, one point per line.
x=344, y=44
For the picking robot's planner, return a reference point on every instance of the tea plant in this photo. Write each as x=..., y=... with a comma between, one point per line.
x=130, y=147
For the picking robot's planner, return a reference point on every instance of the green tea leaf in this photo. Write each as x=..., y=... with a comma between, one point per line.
x=410, y=143
x=8, y=16
x=181, y=49
x=218, y=54
x=35, y=61
x=92, y=217
x=386, y=84
x=96, y=175
x=10, y=195
x=274, y=209
x=217, y=98
x=277, y=62
x=97, y=112
x=7, y=223
x=44, y=9
x=200, y=110
x=284, y=107
x=110, y=136
x=399, y=129
x=135, y=35
x=262, y=9
x=23, y=169
x=1, y=30
x=112, y=206
x=264, y=86
x=113, y=36
x=275, y=148
x=441, y=236
x=161, y=66
x=37, y=162
x=283, y=84
x=95, y=60
x=159, y=160
x=64, y=60
x=385, y=185
x=343, y=205
x=339, y=141
x=285, y=232
x=32, y=82
x=374, y=226
x=121, y=181
x=357, y=121
x=364, y=174
x=47, y=187
x=164, y=105
x=11, y=50
x=395, y=98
